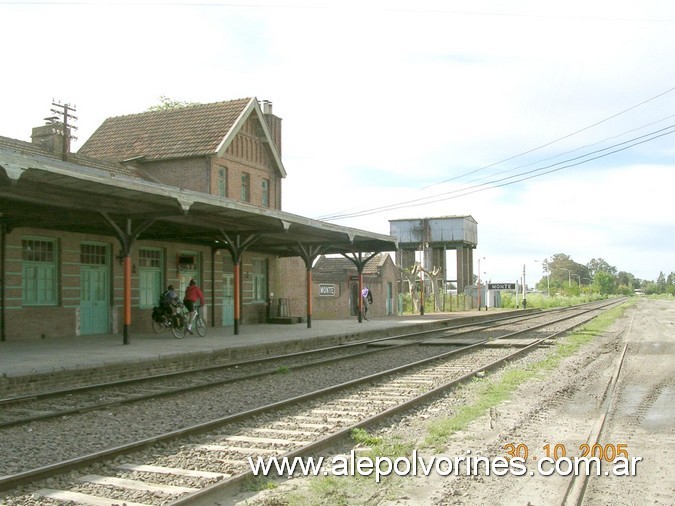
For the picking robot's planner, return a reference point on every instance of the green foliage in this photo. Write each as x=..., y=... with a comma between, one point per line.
x=168, y=103
x=604, y=283
x=381, y=447
x=282, y=369
x=625, y=290
x=362, y=437
x=258, y=483
x=329, y=490
x=599, y=265
x=543, y=301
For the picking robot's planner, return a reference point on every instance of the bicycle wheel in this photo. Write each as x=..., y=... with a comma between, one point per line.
x=178, y=326
x=159, y=327
x=200, y=324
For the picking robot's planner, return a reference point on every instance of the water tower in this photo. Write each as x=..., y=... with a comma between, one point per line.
x=434, y=237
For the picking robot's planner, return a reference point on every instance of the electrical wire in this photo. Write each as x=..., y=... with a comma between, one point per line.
x=523, y=176
x=567, y=136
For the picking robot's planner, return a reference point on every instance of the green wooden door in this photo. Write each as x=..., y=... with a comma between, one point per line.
x=94, y=300
x=228, y=299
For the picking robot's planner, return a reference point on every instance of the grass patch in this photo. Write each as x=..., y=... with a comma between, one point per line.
x=392, y=447
x=362, y=437
x=258, y=483
x=282, y=369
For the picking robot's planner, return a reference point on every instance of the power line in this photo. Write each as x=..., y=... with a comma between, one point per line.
x=622, y=146
x=553, y=141
x=579, y=148
x=355, y=211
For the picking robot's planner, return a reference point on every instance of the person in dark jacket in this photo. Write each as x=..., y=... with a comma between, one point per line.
x=170, y=300
x=367, y=297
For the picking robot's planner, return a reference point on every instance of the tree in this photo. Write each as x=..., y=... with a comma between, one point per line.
x=561, y=268
x=410, y=275
x=627, y=279
x=168, y=103
x=661, y=283
x=604, y=283
x=434, y=276
x=600, y=265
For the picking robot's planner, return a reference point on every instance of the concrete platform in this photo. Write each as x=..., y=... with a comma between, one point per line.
x=30, y=366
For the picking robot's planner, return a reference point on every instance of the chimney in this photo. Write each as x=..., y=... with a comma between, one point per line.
x=273, y=123
x=53, y=138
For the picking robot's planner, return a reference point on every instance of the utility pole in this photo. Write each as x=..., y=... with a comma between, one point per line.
x=524, y=290
x=63, y=114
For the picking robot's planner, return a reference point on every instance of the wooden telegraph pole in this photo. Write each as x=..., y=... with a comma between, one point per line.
x=63, y=115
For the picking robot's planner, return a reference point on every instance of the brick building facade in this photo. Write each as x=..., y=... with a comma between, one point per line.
x=335, y=286
x=61, y=279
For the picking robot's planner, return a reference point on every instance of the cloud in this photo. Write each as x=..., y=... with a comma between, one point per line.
x=384, y=101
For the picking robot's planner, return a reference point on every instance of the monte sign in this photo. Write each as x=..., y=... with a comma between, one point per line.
x=501, y=286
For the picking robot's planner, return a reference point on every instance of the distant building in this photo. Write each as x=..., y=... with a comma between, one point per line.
x=335, y=286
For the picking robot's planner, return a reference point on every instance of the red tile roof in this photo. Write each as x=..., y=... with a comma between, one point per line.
x=194, y=130
x=341, y=264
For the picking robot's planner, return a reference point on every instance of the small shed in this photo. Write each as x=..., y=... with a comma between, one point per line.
x=336, y=286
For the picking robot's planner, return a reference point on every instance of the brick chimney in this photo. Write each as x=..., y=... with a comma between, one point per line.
x=273, y=123
x=52, y=138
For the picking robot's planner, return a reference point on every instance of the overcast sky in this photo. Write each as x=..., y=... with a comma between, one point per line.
x=551, y=123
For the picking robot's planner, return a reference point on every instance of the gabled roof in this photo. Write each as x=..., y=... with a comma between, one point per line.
x=182, y=132
x=341, y=264
x=31, y=149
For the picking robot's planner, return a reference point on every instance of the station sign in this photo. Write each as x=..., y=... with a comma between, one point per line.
x=501, y=286
x=327, y=290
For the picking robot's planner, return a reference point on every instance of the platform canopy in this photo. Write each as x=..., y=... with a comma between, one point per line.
x=42, y=192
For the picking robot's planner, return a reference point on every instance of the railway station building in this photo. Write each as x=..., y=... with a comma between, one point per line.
x=90, y=240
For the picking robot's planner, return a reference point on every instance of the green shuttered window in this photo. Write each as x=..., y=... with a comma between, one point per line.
x=39, y=270
x=150, y=261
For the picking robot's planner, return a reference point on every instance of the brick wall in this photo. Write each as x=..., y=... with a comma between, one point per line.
x=63, y=318
x=189, y=173
x=291, y=284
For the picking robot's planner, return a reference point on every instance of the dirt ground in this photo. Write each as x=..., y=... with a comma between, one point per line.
x=556, y=412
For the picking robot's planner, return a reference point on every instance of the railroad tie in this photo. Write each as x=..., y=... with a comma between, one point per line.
x=142, y=468
x=80, y=498
x=136, y=484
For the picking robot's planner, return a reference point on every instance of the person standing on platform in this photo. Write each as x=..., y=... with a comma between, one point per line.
x=192, y=294
x=367, y=297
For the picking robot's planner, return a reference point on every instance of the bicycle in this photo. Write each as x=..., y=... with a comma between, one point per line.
x=198, y=321
x=163, y=321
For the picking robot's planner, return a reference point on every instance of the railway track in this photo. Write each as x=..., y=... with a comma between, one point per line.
x=49, y=405
x=576, y=489
x=189, y=464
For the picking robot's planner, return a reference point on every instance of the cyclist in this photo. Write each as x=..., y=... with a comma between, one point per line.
x=192, y=294
x=169, y=300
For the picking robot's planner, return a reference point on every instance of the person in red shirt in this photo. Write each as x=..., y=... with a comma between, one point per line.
x=192, y=295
